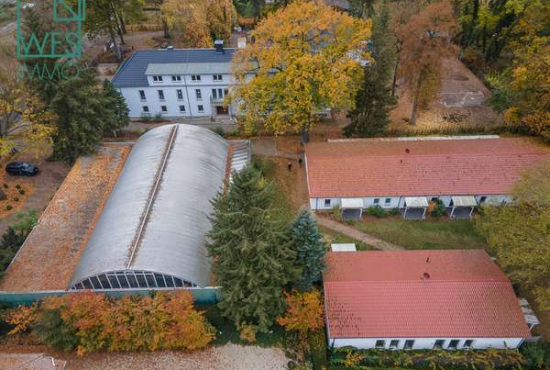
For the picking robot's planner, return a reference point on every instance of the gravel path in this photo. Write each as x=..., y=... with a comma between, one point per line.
x=356, y=234
x=228, y=357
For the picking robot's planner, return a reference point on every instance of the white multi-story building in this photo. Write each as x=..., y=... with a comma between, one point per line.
x=177, y=82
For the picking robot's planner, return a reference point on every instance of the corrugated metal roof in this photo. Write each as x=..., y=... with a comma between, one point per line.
x=132, y=72
x=187, y=68
x=156, y=218
x=419, y=294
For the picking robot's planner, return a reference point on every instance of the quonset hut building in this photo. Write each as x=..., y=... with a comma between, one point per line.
x=152, y=231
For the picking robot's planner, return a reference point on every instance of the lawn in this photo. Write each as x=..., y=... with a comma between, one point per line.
x=331, y=236
x=426, y=234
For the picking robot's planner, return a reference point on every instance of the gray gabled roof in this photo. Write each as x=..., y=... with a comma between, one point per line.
x=157, y=216
x=132, y=72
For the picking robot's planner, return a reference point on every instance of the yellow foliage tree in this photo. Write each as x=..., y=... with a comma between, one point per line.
x=304, y=58
x=193, y=23
x=304, y=312
x=23, y=117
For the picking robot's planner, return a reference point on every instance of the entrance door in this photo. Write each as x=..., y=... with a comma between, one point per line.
x=220, y=111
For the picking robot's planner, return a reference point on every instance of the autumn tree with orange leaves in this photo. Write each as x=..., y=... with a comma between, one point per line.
x=91, y=322
x=304, y=312
x=426, y=39
x=305, y=58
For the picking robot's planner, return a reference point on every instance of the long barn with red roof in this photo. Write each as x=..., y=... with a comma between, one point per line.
x=424, y=299
x=408, y=173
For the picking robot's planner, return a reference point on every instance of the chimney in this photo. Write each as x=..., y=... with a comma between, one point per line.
x=218, y=44
x=426, y=276
x=428, y=259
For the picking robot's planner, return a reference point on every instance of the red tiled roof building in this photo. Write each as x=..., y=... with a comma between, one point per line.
x=425, y=299
x=389, y=172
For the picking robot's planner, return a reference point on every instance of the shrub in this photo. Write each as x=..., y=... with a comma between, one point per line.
x=537, y=355
x=9, y=207
x=2, y=195
x=91, y=322
x=247, y=333
x=6, y=186
x=158, y=117
x=376, y=211
x=21, y=192
x=16, y=199
x=145, y=117
x=394, y=212
x=265, y=165
x=17, y=186
x=337, y=213
x=437, y=208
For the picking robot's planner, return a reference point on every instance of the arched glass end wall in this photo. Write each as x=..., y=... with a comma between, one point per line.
x=131, y=279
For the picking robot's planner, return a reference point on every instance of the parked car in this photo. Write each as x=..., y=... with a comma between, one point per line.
x=21, y=169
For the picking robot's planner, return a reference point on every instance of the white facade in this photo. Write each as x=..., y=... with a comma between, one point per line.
x=427, y=343
x=175, y=96
x=390, y=202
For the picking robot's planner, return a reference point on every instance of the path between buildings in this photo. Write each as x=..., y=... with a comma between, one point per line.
x=356, y=234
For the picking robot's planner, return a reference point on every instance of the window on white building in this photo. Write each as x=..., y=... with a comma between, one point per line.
x=145, y=109
x=453, y=344
x=409, y=344
x=200, y=108
x=217, y=93
x=161, y=95
x=468, y=343
x=327, y=202
x=380, y=343
x=182, y=108
x=163, y=108
x=387, y=201
x=439, y=343
x=482, y=199
x=195, y=78
x=176, y=78
x=198, y=94
x=180, y=94
x=394, y=343
x=157, y=78
x=376, y=200
x=218, y=77
x=142, y=95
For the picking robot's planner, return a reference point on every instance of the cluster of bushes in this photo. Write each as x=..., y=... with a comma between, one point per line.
x=490, y=359
x=380, y=212
x=92, y=322
x=3, y=195
x=146, y=117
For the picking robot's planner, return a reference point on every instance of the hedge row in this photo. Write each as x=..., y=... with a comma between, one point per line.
x=490, y=359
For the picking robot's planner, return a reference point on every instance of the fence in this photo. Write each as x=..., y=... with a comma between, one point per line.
x=201, y=295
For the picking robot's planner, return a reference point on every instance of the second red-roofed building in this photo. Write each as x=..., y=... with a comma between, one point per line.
x=424, y=299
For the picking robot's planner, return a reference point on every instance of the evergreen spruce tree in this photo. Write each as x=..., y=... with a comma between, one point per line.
x=253, y=257
x=373, y=102
x=82, y=114
x=117, y=109
x=306, y=239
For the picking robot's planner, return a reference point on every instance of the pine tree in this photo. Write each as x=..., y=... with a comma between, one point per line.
x=306, y=239
x=374, y=101
x=118, y=110
x=253, y=257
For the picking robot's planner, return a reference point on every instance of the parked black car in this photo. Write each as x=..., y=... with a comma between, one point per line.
x=21, y=169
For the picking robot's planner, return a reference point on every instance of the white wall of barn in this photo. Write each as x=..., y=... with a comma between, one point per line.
x=428, y=343
x=325, y=204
